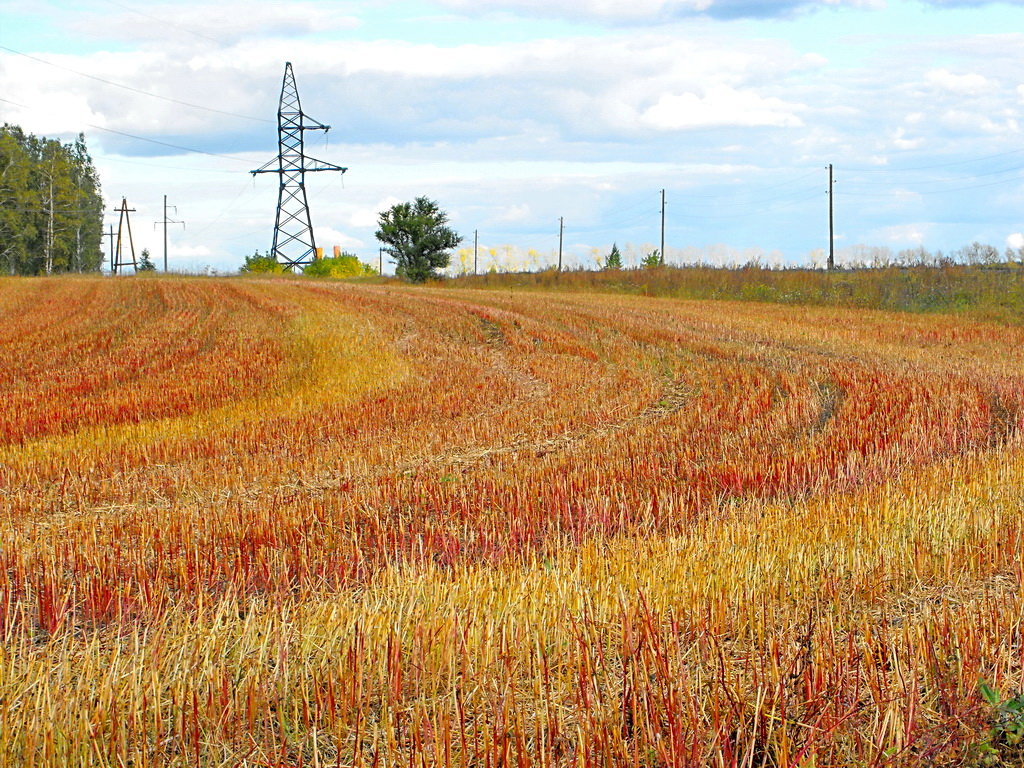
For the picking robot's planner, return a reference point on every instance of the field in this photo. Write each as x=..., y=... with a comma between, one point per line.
x=290, y=523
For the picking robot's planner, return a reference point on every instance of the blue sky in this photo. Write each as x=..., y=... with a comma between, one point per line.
x=513, y=113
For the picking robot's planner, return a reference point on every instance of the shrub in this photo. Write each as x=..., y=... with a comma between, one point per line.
x=261, y=263
x=345, y=265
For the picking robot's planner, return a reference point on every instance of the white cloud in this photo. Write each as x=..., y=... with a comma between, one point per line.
x=900, y=140
x=367, y=217
x=719, y=106
x=515, y=213
x=222, y=23
x=188, y=251
x=966, y=85
x=511, y=133
x=625, y=85
x=328, y=237
x=977, y=122
x=905, y=233
x=1015, y=241
x=652, y=11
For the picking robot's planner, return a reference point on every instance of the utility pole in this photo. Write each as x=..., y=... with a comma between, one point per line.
x=380, y=261
x=124, y=226
x=661, y=253
x=831, y=225
x=561, y=231
x=165, y=222
x=110, y=234
x=294, y=244
x=476, y=247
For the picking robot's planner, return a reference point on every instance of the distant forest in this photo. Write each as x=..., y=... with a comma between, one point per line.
x=51, y=210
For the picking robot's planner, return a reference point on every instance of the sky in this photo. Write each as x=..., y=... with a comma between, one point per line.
x=512, y=114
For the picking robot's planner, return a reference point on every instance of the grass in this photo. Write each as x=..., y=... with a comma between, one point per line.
x=994, y=292
x=384, y=526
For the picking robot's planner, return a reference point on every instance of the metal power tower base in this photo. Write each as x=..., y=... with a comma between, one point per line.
x=294, y=245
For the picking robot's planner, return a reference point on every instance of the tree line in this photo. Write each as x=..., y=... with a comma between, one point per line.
x=51, y=209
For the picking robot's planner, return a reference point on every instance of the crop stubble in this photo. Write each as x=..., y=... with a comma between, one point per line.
x=285, y=522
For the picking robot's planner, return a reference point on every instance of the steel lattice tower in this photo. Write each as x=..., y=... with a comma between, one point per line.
x=294, y=245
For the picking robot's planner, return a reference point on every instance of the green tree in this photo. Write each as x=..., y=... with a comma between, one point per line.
x=614, y=260
x=51, y=209
x=651, y=260
x=418, y=238
x=145, y=262
x=345, y=265
x=87, y=226
x=17, y=201
x=261, y=263
x=59, y=205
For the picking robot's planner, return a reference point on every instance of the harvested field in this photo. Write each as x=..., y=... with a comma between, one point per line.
x=285, y=522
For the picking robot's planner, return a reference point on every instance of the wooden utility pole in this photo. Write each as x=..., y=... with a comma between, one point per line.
x=476, y=247
x=380, y=261
x=661, y=253
x=561, y=231
x=831, y=225
x=124, y=226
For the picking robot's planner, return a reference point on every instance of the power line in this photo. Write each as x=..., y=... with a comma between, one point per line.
x=938, y=165
x=742, y=214
x=170, y=99
x=164, y=22
x=786, y=183
x=165, y=143
x=231, y=204
x=741, y=203
x=126, y=161
x=143, y=138
x=945, y=190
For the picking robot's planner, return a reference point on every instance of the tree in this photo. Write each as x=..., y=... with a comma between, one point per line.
x=651, y=260
x=417, y=237
x=17, y=201
x=261, y=263
x=88, y=226
x=145, y=262
x=614, y=260
x=51, y=209
x=345, y=265
x=978, y=253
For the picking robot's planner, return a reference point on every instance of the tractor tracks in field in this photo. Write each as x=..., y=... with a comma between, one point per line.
x=673, y=399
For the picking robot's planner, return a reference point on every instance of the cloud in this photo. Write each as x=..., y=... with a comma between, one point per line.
x=188, y=251
x=900, y=140
x=968, y=84
x=222, y=23
x=515, y=213
x=1015, y=241
x=914, y=234
x=328, y=237
x=367, y=217
x=719, y=106
x=510, y=133
x=654, y=11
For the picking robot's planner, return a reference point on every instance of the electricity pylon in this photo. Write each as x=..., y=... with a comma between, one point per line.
x=294, y=245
